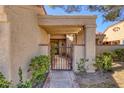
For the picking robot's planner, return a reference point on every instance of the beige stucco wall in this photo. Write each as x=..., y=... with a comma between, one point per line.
x=22, y=43
x=5, y=65
x=112, y=35
x=78, y=53
x=57, y=36
x=44, y=42
x=4, y=44
x=105, y=48
x=45, y=39
x=44, y=50
x=80, y=37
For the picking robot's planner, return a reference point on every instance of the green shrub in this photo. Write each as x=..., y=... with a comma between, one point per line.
x=39, y=62
x=26, y=84
x=99, y=62
x=20, y=75
x=22, y=84
x=107, y=53
x=107, y=62
x=3, y=82
x=104, y=62
x=81, y=66
x=118, y=54
x=39, y=67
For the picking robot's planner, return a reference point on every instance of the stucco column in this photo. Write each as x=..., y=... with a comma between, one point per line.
x=5, y=62
x=90, y=48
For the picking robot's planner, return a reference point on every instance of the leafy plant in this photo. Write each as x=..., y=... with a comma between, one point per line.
x=26, y=84
x=107, y=53
x=39, y=62
x=20, y=75
x=107, y=62
x=104, y=62
x=38, y=76
x=81, y=66
x=21, y=84
x=99, y=63
x=3, y=82
x=118, y=54
x=39, y=67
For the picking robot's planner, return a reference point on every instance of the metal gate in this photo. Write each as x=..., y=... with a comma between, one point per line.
x=62, y=58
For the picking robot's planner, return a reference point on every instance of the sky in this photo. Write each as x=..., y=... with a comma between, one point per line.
x=101, y=25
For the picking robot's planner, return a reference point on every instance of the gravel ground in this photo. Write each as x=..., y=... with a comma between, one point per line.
x=114, y=79
x=96, y=80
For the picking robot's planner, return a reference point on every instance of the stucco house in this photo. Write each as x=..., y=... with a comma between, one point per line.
x=27, y=31
x=114, y=34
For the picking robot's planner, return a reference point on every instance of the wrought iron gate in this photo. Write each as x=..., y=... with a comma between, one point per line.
x=62, y=58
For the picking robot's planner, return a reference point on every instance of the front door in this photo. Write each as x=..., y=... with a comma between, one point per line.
x=61, y=55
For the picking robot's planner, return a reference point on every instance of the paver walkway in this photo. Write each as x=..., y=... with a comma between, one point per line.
x=61, y=79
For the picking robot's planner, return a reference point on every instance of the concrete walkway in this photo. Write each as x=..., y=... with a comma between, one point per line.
x=61, y=79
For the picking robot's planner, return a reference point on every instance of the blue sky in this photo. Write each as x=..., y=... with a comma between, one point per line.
x=101, y=26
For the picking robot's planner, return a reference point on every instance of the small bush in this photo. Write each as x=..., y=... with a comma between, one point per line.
x=39, y=67
x=3, y=82
x=107, y=53
x=22, y=84
x=118, y=54
x=107, y=62
x=99, y=63
x=81, y=66
x=104, y=62
x=26, y=84
x=40, y=62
